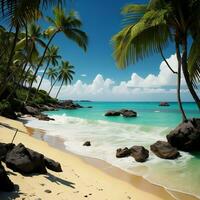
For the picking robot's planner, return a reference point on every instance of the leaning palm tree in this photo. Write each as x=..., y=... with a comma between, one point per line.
x=52, y=74
x=68, y=24
x=148, y=29
x=52, y=57
x=65, y=75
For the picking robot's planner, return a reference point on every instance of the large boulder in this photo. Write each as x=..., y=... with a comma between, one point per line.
x=164, y=104
x=4, y=149
x=70, y=105
x=112, y=113
x=121, y=153
x=52, y=165
x=128, y=113
x=164, y=150
x=31, y=110
x=139, y=153
x=186, y=136
x=6, y=185
x=44, y=117
x=25, y=161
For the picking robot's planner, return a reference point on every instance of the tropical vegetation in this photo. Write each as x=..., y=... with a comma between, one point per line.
x=149, y=28
x=27, y=55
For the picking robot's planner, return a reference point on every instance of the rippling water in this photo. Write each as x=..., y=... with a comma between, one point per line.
x=109, y=133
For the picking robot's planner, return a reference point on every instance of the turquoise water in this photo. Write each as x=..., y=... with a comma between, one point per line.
x=149, y=113
x=109, y=133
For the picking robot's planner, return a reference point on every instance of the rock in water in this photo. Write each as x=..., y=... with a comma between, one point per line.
x=164, y=150
x=164, y=104
x=139, y=153
x=52, y=165
x=186, y=136
x=25, y=161
x=121, y=153
x=6, y=185
x=128, y=113
x=112, y=113
x=87, y=143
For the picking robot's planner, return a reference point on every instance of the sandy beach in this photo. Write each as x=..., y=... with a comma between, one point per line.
x=80, y=179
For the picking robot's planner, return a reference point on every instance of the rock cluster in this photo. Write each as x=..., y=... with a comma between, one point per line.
x=123, y=112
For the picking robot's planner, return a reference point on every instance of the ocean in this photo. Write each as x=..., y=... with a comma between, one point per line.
x=109, y=133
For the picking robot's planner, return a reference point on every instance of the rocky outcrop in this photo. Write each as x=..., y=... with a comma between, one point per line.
x=70, y=105
x=186, y=136
x=128, y=113
x=25, y=161
x=48, y=108
x=123, y=112
x=164, y=104
x=112, y=113
x=121, y=153
x=31, y=110
x=6, y=185
x=4, y=149
x=52, y=165
x=44, y=117
x=164, y=150
x=87, y=143
x=139, y=153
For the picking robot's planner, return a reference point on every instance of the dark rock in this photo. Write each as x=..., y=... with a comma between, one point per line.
x=25, y=161
x=48, y=191
x=4, y=149
x=87, y=143
x=112, y=113
x=44, y=117
x=89, y=107
x=47, y=108
x=164, y=150
x=164, y=104
x=186, y=136
x=70, y=105
x=139, y=153
x=52, y=165
x=31, y=110
x=128, y=113
x=121, y=153
x=6, y=185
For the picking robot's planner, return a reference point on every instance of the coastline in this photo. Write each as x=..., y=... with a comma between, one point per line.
x=81, y=176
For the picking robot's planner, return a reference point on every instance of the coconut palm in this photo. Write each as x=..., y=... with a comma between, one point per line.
x=65, y=74
x=52, y=74
x=68, y=24
x=52, y=57
x=148, y=29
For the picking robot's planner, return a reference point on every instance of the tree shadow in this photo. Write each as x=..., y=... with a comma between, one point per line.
x=59, y=181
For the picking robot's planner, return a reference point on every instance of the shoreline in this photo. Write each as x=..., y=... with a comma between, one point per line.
x=134, y=180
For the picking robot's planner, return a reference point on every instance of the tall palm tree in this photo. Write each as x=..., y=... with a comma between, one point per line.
x=148, y=28
x=65, y=75
x=68, y=24
x=52, y=57
x=52, y=74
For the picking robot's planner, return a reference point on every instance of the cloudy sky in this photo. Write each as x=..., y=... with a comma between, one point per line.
x=97, y=76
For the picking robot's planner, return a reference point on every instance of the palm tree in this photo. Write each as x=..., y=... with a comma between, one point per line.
x=68, y=24
x=52, y=73
x=65, y=75
x=148, y=29
x=52, y=58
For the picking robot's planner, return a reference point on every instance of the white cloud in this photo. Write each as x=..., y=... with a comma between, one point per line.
x=158, y=87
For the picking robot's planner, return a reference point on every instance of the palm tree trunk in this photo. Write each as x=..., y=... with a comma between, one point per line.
x=43, y=76
x=186, y=73
x=184, y=118
x=8, y=77
x=40, y=63
x=52, y=86
x=60, y=88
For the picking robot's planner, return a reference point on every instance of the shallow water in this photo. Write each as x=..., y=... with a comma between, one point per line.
x=109, y=133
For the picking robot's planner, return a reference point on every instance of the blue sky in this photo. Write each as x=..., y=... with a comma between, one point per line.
x=148, y=80
x=101, y=20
